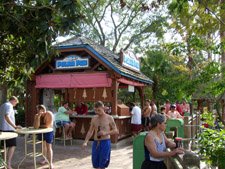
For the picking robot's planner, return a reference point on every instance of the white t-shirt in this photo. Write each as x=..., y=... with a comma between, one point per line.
x=6, y=109
x=136, y=115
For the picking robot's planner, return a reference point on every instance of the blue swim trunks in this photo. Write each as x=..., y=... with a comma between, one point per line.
x=101, y=153
x=48, y=137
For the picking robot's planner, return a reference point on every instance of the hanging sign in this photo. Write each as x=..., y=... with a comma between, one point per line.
x=130, y=88
x=130, y=61
x=72, y=62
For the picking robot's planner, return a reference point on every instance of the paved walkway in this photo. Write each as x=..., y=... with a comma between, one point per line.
x=75, y=157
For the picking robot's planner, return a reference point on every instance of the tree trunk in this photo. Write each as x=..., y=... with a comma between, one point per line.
x=3, y=94
x=222, y=30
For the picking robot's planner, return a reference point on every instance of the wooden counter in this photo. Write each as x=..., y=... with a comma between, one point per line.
x=83, y=123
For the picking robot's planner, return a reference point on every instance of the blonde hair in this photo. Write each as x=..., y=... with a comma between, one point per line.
x=41, y=107
x=12, y=98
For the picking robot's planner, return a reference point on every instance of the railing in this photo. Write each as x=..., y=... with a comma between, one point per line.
x=189, y=160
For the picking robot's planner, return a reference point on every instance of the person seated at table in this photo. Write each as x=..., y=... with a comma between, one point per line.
x=62, y=119
x=81, y=108
x=44, y=119
x=173, y=113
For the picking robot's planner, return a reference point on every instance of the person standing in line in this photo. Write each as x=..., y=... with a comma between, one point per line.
x=154, y=107
x=146, y=115
x=136, y=126
x=173, y=113
x=167, y=106
x=62, y=119
x=7, y=124
x=44, y=119
x=155, y=145
x=103, y=126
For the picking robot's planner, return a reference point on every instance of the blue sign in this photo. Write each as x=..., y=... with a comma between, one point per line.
x=71, y=62
x=131, y=61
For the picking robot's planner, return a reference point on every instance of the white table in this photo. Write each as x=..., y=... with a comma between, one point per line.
x=32, y=131
x=5, y=136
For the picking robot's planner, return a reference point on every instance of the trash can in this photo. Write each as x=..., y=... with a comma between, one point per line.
x=138, y=150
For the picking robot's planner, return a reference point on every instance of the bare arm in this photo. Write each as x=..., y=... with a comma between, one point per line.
x=69, y=112
x=113, y=129
x=37, y=120
x=89, y=133
x=146, y=111
x=10, y=122
x=169, y=143
x=178, y=115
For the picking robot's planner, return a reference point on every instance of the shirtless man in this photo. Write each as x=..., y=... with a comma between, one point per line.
x=102, y=125
x=44, y=119
x=173, y=113
x=146, y=115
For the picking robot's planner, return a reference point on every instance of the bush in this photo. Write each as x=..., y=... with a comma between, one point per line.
x=212, y=147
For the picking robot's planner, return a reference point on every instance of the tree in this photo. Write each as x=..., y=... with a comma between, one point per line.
x=28, y=28
x=122, y=24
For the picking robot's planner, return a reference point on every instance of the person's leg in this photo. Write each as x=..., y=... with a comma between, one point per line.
x=44, y=153
x=95, y=155
x=49, y=154
x=10, y=155
x=105, y=151
x=66, y=128
x=70, y=132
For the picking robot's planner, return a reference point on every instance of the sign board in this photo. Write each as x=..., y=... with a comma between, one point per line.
x=72, y=62
x=130, y=61
x=130, y=88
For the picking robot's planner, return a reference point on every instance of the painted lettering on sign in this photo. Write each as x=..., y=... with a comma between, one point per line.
x=131, y=61
x=71, y=62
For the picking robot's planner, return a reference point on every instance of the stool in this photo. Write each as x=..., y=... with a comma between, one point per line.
x=61, y=137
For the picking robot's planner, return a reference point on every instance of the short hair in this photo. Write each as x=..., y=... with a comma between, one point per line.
x=65, y=102
x=41, y=107
x=14, y=98
x=157, y=118
x=147, y=100
x=162, y=108
x=99, y=104
x=132, y=104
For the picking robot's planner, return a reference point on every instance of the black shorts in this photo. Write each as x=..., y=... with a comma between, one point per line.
x=147, y=164
x=10, y=142
x=145, y=121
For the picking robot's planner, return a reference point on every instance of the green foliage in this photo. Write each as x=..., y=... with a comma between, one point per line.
x=28, y=28
x=212, y=146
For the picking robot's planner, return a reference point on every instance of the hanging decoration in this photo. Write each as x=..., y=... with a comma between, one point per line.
x=94, y=93
x=84, y=94
x=104, y=94
x=75, y=93
x=82, y=131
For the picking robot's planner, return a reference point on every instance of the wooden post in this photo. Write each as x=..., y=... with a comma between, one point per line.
x=32, y=99
x=114, y=96
x=141, y=94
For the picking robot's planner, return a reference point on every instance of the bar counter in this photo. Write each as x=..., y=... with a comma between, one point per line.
x=83, y=123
